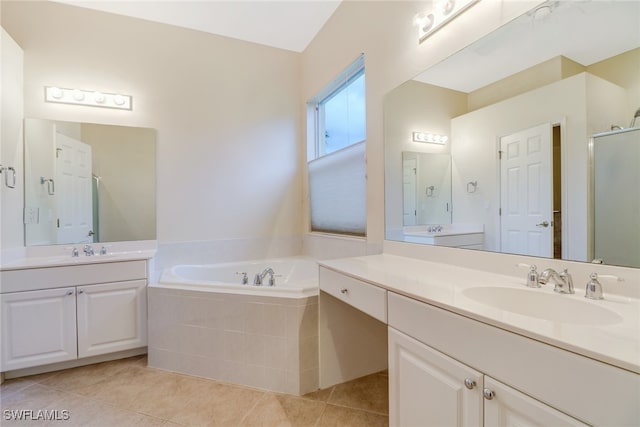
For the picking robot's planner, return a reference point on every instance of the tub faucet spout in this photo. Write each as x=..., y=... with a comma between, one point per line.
x=260, y=277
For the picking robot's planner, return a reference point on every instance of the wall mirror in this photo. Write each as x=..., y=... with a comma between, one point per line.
x=521, y=110
x=88, y=183
x=426, y=188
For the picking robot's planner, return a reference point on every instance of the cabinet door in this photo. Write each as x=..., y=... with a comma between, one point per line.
x=112, y=317
x=509, y=407
x=38, y=327
x=427, y=388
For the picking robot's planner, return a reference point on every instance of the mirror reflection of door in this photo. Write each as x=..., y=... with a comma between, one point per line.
x=409, y=184
x=74, y=194
x=526, y=192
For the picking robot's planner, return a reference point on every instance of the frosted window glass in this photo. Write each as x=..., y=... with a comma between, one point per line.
x=337, y=185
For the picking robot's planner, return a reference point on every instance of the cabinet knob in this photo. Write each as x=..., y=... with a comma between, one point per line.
x=488, y=394
x=69, y=292
x=344, y=291
x=81, y=291
x=469, y=383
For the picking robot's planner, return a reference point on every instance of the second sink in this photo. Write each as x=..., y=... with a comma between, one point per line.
x=552, y=307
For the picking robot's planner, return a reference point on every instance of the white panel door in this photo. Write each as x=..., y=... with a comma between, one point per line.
x=526, y=196
x=112, y=317
x=427, y=388
x=409, y=184
x=73, y=190
x=510, y=408
x=38, y=327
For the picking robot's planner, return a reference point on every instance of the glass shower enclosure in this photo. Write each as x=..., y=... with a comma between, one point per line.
x=616, y=197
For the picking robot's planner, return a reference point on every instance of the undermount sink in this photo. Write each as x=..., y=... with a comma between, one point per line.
x=542, y=305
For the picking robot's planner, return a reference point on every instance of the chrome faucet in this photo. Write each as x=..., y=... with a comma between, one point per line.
x=563, y=281
x=260, y=277
x=74, y=252
x=88, y=250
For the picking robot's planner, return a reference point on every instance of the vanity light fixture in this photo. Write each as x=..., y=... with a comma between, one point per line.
x=443, y=12
x=87, y=98
x=430, y=138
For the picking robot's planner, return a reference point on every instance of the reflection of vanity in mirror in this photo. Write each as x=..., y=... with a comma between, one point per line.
x=520, y=109
x=88, y=183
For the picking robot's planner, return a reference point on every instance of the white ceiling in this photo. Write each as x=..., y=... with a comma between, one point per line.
x=583, y=31
x=288, y=24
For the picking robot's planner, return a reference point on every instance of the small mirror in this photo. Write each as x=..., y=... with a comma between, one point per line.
x=426, y=188
x=88, y=183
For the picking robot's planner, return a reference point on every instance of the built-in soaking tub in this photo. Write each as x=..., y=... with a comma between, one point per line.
x=203, y=321
x=293, y=277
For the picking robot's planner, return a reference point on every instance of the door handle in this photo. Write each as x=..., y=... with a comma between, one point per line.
x=544, y=224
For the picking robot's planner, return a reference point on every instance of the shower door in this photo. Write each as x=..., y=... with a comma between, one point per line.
x=616, y=197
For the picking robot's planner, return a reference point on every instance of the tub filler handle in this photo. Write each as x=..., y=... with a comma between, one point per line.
x=245, y=278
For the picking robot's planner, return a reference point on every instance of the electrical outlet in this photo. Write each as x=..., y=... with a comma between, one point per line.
x=31, y=215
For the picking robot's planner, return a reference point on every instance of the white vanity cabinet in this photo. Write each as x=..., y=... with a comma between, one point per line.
x=551, y=382
x=105, y=314
x=111, y=317
x=428, y=388
x=451, y=363
x=38, y=327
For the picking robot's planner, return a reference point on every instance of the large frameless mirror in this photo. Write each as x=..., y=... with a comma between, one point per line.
x=516, y=112
x=88, y=183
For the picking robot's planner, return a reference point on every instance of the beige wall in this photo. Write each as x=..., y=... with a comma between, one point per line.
x=227, y=112
x=124, y=158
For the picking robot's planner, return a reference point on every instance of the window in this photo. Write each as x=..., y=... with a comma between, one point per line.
x=337, y=169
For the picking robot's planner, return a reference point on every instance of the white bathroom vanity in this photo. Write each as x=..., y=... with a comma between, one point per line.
x=469, y=347
x=64, y=311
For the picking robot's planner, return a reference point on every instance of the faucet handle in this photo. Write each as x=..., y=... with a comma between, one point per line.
x=532, y=275
x=245, y=279
x=74, y=252
x=594, y=288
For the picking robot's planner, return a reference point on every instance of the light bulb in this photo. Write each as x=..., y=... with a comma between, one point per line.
x=99, y=97
x=118, y=99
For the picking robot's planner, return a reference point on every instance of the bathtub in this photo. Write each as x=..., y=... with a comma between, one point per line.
x=294, y=277
x=203, y=321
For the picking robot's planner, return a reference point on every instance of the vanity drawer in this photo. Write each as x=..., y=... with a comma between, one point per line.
x=71, y=275
x=367, y=298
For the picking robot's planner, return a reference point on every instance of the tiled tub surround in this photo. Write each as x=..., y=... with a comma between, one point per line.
x=265, y=342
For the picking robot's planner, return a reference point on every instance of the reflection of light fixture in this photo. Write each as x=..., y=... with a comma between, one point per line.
x=431, y=138
x=87, y=98
x=78, y=95
x=99, y=97
x=443, y=12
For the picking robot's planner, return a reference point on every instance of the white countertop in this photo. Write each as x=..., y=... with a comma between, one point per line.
x=443, y=285
x=81, y=259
